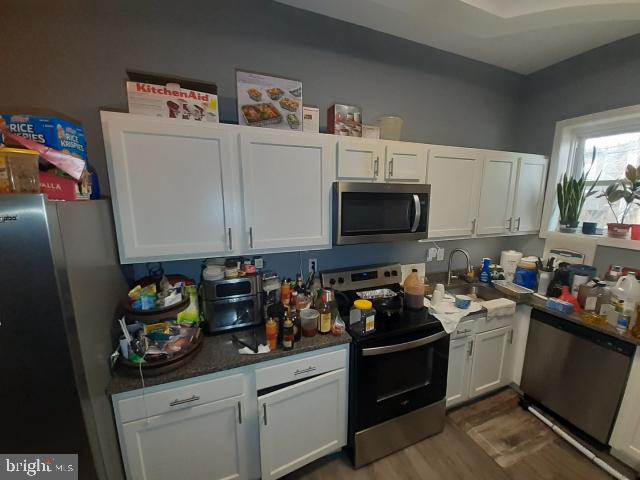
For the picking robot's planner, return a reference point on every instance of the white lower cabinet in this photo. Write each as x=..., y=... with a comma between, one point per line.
x=217, y=427
x=625, y=438
x=459, y=368
x=205, y=441
x=488, y=368
x=302, y=422
x=479, y=358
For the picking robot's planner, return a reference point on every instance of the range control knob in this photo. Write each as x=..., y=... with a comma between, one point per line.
x=340, y=280
x=387, y=273
x=332, y=281
x=394, y=273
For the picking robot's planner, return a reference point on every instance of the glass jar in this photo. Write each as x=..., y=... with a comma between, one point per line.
x=362, y=317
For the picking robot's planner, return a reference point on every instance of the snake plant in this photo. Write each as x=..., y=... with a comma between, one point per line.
x=571, y=197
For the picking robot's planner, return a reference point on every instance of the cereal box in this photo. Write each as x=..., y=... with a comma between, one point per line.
x=52, y=131
x=172, y=98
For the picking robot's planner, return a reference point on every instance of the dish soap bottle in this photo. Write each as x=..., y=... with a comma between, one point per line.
x=485, y=273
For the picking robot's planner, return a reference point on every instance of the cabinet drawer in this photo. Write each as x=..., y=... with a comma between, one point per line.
x=485, y=324
x=297, y=369
x=179, y=398
x=465, y=328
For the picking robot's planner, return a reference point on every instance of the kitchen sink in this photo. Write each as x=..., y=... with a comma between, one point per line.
x=476, y=291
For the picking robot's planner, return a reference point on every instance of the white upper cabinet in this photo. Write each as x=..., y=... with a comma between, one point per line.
x=454, y=174
x=529, y=193
x=359, y=159
x=173, y=187
x=405, y=162
x=496, y=193
x=286, y=182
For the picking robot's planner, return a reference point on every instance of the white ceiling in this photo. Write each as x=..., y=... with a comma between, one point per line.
x=519, y=35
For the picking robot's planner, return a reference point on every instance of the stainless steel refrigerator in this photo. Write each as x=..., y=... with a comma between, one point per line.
x=60, y=284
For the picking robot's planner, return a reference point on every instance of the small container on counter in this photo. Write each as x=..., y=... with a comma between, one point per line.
x=288, y=338
x=362, y=316
x=309, y=320
x=271, y=327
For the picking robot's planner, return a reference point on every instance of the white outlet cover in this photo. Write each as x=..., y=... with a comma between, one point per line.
x=432, y=253
x=440, y=254
x=407, y=268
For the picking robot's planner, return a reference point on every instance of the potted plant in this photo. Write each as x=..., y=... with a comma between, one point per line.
x=571, y=197
x=627, y=189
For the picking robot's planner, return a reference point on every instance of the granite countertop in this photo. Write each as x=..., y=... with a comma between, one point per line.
x=216, y=354
x=607, y=329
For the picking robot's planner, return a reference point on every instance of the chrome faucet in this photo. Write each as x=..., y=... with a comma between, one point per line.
x=466, y=254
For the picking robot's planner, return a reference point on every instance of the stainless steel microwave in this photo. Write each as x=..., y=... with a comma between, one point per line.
x=379, y=212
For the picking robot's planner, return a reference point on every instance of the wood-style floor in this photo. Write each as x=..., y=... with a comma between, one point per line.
x=491, y=439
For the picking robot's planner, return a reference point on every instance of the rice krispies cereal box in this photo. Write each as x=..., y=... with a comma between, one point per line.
x=52, y=131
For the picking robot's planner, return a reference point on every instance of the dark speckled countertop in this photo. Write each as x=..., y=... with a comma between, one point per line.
x=217, y=354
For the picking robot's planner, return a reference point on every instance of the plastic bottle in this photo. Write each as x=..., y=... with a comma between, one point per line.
x=414, y=291
x=485, y=274
x=627, y=290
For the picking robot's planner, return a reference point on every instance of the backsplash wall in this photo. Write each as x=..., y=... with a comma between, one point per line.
x=288, y=264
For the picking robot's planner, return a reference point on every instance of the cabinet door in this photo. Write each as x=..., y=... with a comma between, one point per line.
x=454, y=175
x=496, y=192
x=302, y=423
x=286, y=183
x=359, y=159
x=529, y=193
x=625, y=438
x=458, y=374
x=167, y=181
x=488, y=369
x=205, y=441
x=405, y=162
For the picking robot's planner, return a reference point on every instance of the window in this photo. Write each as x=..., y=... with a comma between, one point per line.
x=607, y=156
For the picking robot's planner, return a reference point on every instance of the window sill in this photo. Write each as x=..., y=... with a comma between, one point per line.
x=601, y=240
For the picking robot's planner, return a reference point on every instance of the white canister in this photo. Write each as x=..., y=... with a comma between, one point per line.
x=509, y=261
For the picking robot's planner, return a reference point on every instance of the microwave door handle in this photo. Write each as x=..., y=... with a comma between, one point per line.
x=418, y=213
x=399, y=347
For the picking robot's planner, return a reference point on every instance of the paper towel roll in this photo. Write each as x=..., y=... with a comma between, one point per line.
x=509, y=261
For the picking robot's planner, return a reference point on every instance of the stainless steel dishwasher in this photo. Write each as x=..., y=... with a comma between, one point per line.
x=576, y=372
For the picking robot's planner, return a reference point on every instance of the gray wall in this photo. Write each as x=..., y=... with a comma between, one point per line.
x=72, y=58
x=601, y=79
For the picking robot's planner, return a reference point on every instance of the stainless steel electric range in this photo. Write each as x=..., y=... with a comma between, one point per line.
x=398, y=375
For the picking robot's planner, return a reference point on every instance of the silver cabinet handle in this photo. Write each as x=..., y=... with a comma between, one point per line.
x=470, y=350
x=304, y=370
x=240, y=413
x=510, y=336
x=509, y=222
x=230, y=240
x=399, y=347
x=391, y=167
x=251, y=237
x=192, y=398
x=264, y=409
x=518, y=224
x=418, y=209
x=460, y=332
x=473, y=226
x=376, y=166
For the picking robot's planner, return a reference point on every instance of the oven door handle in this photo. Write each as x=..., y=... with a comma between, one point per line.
x=418, y=210
x=399, y=347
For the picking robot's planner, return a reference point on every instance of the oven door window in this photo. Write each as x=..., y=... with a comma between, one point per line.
x=392, y=384
x=367, y=213
x=223, y=315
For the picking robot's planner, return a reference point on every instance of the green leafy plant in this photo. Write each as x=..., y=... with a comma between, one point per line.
x=627, y=189
x=571, y=197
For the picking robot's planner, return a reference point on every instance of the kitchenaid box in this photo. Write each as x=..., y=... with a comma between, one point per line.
x=167, y=97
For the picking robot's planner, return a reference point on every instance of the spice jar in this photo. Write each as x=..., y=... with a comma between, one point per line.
x=362, y=316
